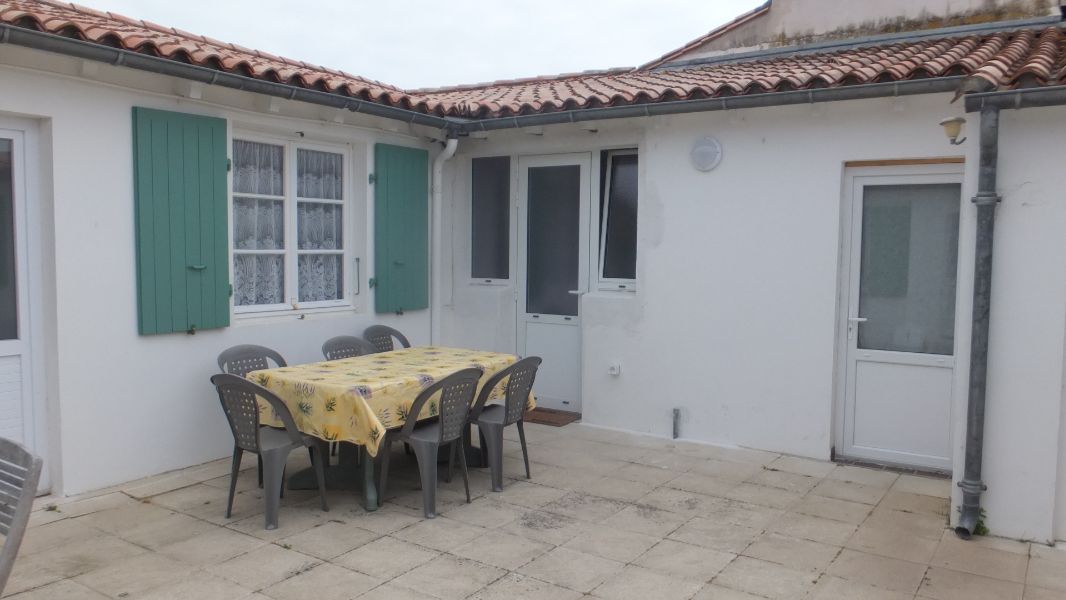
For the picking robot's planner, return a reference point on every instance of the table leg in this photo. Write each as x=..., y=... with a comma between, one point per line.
x=473, y=454
x=370, y=488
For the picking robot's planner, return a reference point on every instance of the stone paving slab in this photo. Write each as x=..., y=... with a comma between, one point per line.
x=607, y=515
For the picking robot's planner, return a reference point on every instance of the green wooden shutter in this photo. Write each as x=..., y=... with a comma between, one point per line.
x=179, y=172
x=401, y=228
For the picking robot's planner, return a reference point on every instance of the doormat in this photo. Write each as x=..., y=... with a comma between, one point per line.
x=552, y=417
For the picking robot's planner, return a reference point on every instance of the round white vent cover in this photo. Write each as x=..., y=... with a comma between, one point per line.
x=706, y=154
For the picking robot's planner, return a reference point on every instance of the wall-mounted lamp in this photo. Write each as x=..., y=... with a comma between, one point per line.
x=953, y=128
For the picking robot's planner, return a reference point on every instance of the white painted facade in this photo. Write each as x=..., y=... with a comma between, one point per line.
x=734, y=318
x=735, y=314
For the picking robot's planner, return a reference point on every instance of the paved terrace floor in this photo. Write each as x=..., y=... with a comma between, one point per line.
x=606, y=515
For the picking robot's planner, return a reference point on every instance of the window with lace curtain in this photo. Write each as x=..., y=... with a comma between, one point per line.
x=289, y=209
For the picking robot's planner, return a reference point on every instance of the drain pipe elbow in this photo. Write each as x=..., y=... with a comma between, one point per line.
x=436, y=234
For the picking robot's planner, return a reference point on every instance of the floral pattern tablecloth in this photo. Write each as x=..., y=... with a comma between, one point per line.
x=357, y=399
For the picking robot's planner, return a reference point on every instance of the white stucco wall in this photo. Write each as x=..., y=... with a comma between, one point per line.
x=125, y=406
x=735, y=314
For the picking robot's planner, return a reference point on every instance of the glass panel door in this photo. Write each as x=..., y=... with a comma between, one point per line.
x=910, y=240
x=553, y=239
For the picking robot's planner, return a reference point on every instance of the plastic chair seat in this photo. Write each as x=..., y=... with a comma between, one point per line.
x=272, y=438
x=428, y=432
x=493, y=414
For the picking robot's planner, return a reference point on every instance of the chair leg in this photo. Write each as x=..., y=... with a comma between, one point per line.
x=386, y=450
x=234, y=471
x=451, y=463
x=274, y=479
x=484, y=451
x=426, y=455
x=462, y=465
x=493, y=433
x=317, y=459
x=525, y=453
x=259, y=466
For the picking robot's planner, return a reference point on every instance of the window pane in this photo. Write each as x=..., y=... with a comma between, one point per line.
x=620, y=247
x=910, y=241
x=321, y=277
x=319, y=174
x=258, y=224
x=553, y=237
x=258, y=279
x=258, y=168
x=490, y=218
x=319, y=226
x=8, y=273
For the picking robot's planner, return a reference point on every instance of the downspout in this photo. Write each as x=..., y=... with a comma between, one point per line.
x=436, y=234
x=986, y=201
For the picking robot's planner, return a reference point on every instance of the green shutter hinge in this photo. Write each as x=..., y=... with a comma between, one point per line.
x=373, y=282
x=229, y=165
x=372, y=178
x=231, y=290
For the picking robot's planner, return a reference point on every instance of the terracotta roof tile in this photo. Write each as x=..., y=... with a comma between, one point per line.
x=1020, y=58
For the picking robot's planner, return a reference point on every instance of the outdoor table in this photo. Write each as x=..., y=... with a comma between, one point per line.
x=356, y=400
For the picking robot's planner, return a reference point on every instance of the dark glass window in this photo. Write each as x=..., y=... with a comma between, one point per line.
x=490, y=218
x=8, y=269
x=618, y=216
x=553, y=240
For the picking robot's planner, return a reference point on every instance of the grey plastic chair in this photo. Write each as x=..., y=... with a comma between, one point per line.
x=245, y=358
x=238, y=397
x=492, y=419
x=381, y=337
x=456, y=393
x=19, y=473
x=346, y=346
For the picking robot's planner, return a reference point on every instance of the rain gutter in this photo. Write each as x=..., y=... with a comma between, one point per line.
x=154, y=64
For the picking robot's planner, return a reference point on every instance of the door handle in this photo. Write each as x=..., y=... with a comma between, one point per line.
x=857, y=319
x=576, y=292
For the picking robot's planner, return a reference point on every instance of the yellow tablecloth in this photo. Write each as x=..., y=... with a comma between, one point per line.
x=357, y=399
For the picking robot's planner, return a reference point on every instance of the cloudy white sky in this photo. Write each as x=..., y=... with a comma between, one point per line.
x=421, y=43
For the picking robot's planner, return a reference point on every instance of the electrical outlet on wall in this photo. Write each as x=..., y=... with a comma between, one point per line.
x=614, y=369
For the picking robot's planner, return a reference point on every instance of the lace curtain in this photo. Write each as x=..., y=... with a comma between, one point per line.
x=258, y=223
x=320, y=225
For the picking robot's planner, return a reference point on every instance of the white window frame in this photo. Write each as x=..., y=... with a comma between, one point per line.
x=512, y=204
x=291, y=248
x=613, y=283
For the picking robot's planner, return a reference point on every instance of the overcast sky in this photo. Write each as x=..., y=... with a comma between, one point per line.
x=422, y=43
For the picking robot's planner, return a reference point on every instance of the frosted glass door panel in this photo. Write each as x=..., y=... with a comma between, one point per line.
x=910, y=239
x=553, y=240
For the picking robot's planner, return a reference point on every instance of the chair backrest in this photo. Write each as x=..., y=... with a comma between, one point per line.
x=243, y=359
x=520, y=377
x=19, y=473
x=456, y=394
x=346, y=346
x=381, y=337
x=239, y=401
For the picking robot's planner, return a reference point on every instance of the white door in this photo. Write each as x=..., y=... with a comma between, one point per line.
x=899, y=323
x=553, y=218
x=21, y=414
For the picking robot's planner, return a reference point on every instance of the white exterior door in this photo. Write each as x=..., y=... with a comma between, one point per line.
x=21, y=411
x=553, y=229
x=901, y=266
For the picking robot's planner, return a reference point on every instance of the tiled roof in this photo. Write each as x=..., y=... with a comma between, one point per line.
x=1019, y=58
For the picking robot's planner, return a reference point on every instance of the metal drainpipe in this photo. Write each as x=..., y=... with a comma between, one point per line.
x=986, y=201
x=437, y=234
